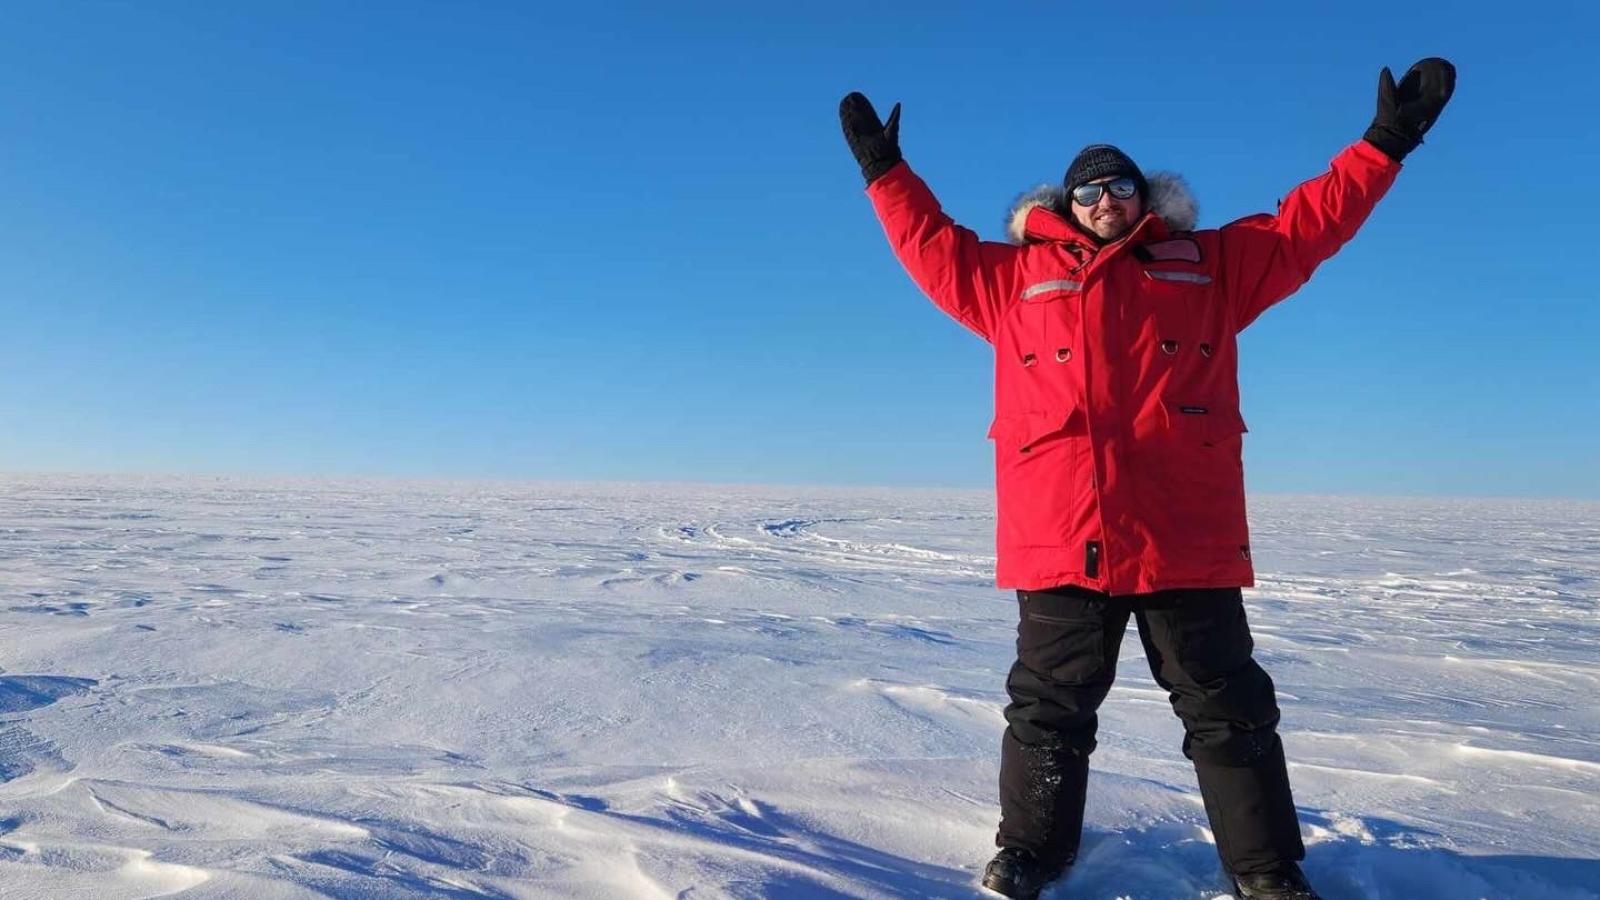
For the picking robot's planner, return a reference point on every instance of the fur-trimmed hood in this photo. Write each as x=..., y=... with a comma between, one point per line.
x=1170, y=198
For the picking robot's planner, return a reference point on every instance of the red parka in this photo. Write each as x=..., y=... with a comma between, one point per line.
x=1117, y=432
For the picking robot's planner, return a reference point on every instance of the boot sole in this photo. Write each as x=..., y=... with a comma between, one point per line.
x=1239, y=891
x=1004, y=888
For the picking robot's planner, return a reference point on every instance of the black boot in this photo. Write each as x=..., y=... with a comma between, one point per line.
x=1284, y=883
x=1017, y=873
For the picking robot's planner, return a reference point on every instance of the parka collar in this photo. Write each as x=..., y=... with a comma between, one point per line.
x=1048, y=226
x=1044, y=214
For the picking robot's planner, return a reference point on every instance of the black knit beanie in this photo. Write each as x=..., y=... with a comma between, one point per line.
x=1099, y=161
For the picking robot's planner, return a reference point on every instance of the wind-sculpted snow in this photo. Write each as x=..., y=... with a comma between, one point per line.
x=216, y=688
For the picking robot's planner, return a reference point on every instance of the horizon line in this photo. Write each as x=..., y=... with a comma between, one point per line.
x=443, y=480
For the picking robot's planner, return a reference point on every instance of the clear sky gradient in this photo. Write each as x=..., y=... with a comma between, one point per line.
x=626, y=241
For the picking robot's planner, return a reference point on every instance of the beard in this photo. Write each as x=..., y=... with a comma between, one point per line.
x=1110, y=224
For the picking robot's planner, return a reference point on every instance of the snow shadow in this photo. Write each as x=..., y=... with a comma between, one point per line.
x=837, y=862
x=1349, y=870
x=1389, y=861
x=20, y=693
x=22, y=751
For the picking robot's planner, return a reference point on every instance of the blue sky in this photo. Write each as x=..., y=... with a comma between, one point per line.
x=626, y=241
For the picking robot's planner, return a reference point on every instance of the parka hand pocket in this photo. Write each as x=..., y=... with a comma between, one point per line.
x=1022, y=432
x=1206, y=423
x=1195, y=476
x=1040, y=461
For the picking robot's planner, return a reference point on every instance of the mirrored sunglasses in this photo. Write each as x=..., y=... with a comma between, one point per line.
x=1120, y=188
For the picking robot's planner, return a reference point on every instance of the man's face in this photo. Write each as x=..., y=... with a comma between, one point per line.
x=1108, y=218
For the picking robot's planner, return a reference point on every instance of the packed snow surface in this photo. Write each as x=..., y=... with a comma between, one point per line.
x=219, y=688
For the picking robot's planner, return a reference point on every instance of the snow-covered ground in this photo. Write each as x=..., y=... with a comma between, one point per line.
x=218, y=688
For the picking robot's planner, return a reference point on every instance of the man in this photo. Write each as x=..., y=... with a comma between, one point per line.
x=1117, y=452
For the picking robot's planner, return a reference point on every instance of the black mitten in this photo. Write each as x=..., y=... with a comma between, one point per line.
x=876, y=145
x=1406, y=112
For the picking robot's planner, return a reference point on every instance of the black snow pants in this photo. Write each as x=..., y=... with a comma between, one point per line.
x=1199, y=648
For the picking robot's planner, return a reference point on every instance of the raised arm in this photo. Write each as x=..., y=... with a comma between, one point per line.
x=968, y=278
x=1265, y=258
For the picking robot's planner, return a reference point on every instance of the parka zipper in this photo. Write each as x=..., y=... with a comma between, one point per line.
x=1091, y=550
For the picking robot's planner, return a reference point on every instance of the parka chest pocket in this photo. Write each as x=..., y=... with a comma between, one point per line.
x=1177, y=300
x=1046, y=320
